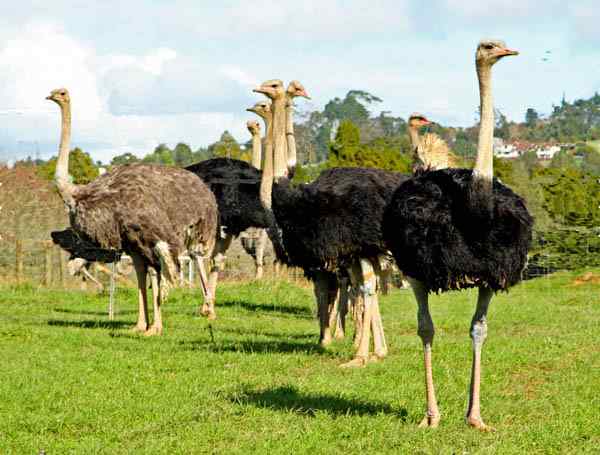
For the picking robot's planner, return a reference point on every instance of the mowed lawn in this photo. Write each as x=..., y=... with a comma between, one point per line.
x=255, y=379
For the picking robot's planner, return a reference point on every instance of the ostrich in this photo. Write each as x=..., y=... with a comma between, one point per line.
x=330, y=226
x=254, y=240
x=430, y=151
x=457, y=228
x=294, y=90
x=152, y=213
x=83, y=254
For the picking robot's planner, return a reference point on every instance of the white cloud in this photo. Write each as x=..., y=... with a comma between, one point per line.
x=43, y=57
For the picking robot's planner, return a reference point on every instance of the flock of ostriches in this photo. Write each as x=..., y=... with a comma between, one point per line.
x=447, y=229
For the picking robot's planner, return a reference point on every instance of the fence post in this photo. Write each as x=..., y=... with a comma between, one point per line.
x=61, y=267
x=19, y=260
x=47, y=263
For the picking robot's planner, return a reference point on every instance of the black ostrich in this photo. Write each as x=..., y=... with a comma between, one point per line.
x=331, y=226
x=152, y=213
x=236, y=186
x=456, y=228
x=83, y=253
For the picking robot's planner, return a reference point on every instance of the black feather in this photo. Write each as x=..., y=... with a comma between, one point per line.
x=444, y=236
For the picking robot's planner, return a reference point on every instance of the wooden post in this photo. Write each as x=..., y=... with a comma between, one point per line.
x=19, y=260
x=61, y=267
x=47, y=263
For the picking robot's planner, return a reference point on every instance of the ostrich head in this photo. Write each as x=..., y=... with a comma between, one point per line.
x=295, y=89
x=490, y=51
x=254, y=127
x=60, y=96
x=272, y=89
x=262, y=108
x=418, y=120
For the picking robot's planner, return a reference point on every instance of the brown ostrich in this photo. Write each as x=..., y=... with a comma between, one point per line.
x=153, y=213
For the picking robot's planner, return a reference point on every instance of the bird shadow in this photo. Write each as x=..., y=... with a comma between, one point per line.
x=91, y=313
x=89, y=324
x=246, y=332
x=269, y=308
x=255, y=346
x=289, y=398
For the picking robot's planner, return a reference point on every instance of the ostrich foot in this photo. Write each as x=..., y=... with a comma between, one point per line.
x=430, y=421
x=208, y=310
x=356, y=362
x=325, y=340
x=375, y=358
x=139, y=327
x=153, y=331
x=339, y=334
x=259, y=273
x=477, y=422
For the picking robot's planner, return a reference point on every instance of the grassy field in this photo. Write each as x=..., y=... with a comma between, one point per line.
x=254, y=380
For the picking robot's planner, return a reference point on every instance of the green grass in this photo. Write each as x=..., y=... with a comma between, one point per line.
x=254, y=380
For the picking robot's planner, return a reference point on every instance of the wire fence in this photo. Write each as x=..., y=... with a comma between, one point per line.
x=30, y=209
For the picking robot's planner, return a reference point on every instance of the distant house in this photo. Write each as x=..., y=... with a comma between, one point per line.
x=514, y=149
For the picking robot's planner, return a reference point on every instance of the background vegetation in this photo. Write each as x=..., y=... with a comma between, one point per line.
x=563, y=194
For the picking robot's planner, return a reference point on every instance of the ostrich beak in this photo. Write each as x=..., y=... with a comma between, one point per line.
x=304, y=94
x=251, y=109
x=506, y=52
x=260, y=89
x=49, y=97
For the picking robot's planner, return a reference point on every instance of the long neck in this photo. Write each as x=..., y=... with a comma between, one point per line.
x=61, y=175
x=484, y=164
x=256, y=150
x=279, y=139
x=289, y=133
x=266, y=184
x=415, y=141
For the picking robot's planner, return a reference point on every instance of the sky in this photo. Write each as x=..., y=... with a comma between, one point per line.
x=146, y=72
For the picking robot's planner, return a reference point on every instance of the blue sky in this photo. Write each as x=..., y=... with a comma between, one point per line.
x=166, y=71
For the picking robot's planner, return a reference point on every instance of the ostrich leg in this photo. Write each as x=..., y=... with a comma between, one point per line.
x=209, y=287
x=342, y=310
x=89, y=276
x=379, y=344
x=209, y=301
x=322, y=293
x=157, y=295
x=141, y=272
x=426, y=331
x=260, y=253
x=364, y=278
x=478, y=336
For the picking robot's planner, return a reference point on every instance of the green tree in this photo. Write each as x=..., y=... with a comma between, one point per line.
x=226, y=147
x=182, y=154
x=81, y=167
x=531, y=117
x=125, y=158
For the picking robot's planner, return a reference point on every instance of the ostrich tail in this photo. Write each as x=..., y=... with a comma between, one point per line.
x=168, y=268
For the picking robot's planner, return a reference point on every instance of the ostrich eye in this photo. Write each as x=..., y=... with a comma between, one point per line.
x=489, y=47
x=63, y=93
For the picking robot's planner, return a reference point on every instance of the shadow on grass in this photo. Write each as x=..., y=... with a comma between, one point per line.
x=90, y=313
x=263, y=307
x=288, y=398
x=256, y=347
x=246, y=332
x=90, y=324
